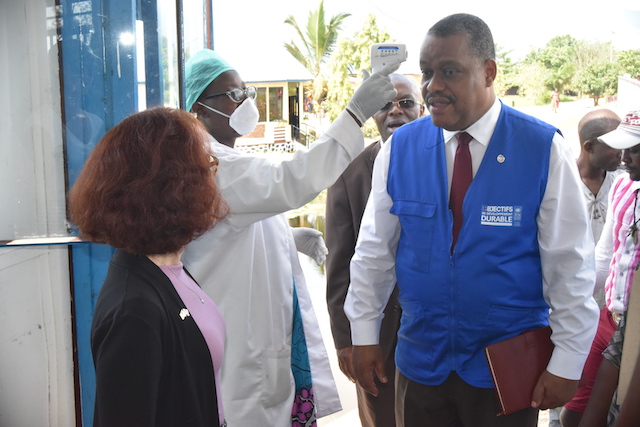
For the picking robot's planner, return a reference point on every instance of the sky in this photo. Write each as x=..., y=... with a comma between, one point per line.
x=250, y=33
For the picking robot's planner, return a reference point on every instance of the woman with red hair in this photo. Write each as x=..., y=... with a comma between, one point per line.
x=157, y=339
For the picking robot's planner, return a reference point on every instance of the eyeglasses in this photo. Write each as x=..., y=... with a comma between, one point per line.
x=405, y=104
x=237, y=94
x=213, y=161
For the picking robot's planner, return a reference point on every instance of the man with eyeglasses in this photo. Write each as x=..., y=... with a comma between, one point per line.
x=346, y=200
x=248, y=263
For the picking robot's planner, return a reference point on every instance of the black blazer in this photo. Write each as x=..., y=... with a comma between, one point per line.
x=153, y=368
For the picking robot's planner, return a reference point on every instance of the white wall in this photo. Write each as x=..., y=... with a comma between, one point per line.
x=628, y=94
x=36, y=353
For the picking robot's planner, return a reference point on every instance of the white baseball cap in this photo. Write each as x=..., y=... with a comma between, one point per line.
x=627, y=134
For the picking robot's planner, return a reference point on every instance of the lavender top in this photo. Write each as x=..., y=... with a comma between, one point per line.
x=206, y=315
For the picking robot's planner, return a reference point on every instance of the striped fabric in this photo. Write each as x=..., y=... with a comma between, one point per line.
x=626, y=253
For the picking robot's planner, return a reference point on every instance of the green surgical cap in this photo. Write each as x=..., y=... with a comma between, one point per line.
x=200, y=70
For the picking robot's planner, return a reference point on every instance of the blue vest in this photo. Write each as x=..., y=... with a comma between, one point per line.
x=490, y=288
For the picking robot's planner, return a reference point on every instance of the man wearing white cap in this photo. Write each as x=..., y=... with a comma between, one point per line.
x=248, y=263
x=617, y=257
x=598, y=165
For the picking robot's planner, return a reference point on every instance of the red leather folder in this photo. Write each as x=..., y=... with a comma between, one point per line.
x=516, y=365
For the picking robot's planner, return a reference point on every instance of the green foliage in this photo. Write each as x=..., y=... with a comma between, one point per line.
x=339, y=86
x=531, y=78
x=507, y=73
x=557, y=59
x=598, y=80
x=591, y=53
x=316, y=44
x=570, y=65
x=629, y=61
x=352, y=55
x=557, y=51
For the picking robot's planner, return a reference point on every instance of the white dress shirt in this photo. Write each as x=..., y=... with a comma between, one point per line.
x=566, y=251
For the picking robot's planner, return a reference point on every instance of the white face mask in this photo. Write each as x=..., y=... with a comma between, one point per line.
x=244, y=119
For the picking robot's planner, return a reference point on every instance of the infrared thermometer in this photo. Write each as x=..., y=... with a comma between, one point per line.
x=387, y=53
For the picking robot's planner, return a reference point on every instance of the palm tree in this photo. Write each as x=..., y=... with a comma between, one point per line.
x=317, y=44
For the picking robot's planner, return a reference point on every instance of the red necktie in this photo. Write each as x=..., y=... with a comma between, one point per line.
x=462, y=177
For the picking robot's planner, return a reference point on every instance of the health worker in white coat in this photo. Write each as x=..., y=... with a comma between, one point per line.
x=275, y=369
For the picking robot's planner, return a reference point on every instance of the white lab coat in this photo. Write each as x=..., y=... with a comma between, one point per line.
x=248, y=263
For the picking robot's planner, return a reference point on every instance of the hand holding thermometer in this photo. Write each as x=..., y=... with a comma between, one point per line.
x=387, y=53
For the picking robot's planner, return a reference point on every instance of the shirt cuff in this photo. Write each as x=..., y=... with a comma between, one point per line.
x=348, y=134
x=365, y=332
x=566, y=365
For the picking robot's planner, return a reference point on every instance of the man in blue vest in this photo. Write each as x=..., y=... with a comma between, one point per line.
x=477, y=212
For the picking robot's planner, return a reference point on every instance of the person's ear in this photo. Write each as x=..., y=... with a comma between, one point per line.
x=588, y=146
x=491, y=71
x=199, y=109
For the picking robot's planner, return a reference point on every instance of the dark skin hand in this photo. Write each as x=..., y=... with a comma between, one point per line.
x=345, y=362
x=553, y=391
x=368, y=364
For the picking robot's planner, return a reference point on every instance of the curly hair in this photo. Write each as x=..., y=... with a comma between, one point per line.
x=148, y=186
x=476, y=30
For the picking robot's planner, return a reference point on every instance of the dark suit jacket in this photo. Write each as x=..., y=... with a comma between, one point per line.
x=346, y=200
x=152, y=367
